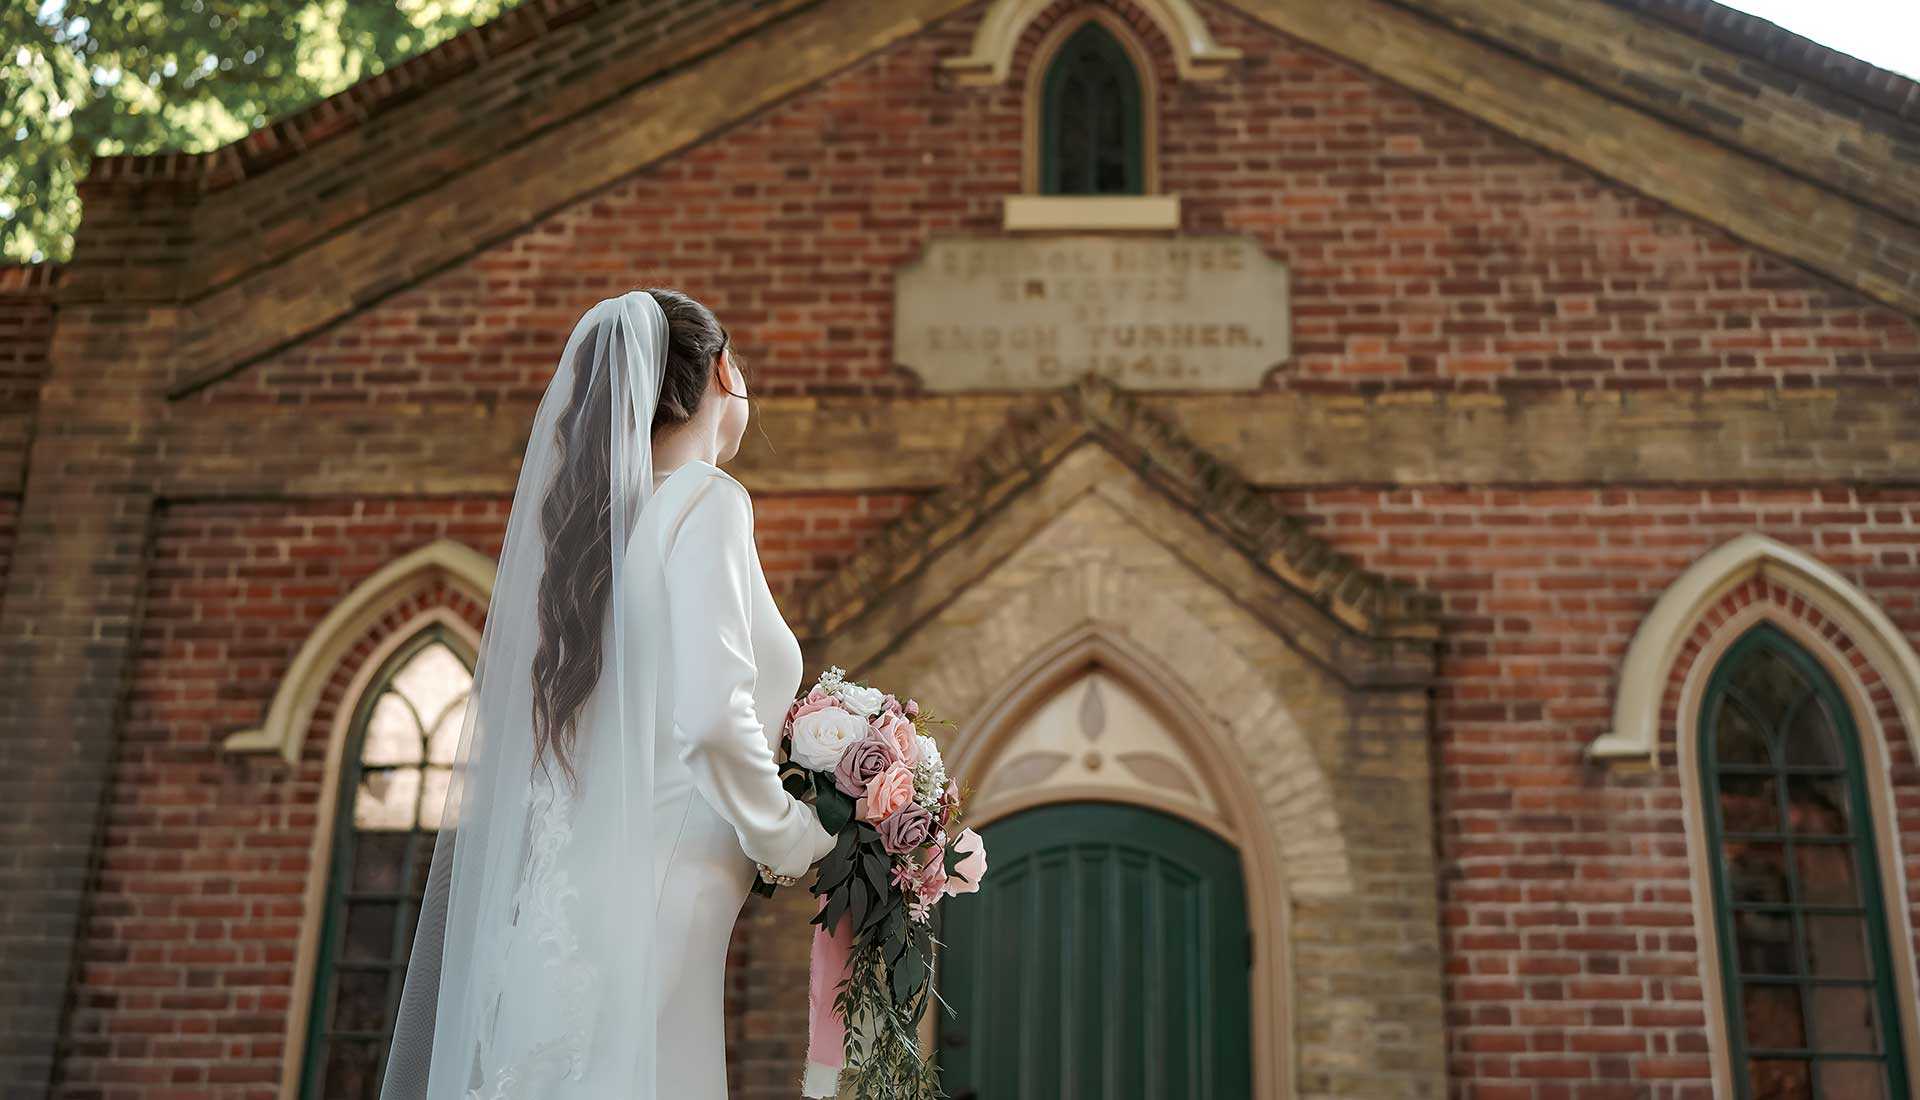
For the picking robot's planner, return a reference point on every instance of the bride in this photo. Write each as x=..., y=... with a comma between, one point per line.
x=615, y=784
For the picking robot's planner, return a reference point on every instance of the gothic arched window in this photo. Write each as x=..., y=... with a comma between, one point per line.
x=1090, y=112
x=1804, y=953
x=393, y=785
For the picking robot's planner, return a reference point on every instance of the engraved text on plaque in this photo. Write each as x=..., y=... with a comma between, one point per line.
x=1149, y=313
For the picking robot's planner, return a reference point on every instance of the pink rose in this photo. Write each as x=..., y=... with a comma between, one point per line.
x=913, y=709
x=973, y=865
x=903, y=736
x=864, y=759
x=886, y=794
x=932, y=882
x=907, y=830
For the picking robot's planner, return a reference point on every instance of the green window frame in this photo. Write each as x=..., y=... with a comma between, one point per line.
x=1805, y=958
x=1090, y=112
x=384, y=830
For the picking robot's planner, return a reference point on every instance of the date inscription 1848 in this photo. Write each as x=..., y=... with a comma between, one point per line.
x=1149, y=313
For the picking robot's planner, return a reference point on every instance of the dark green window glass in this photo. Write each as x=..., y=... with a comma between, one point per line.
x=393, y=783
x=1803, y=937
x=1090, y=119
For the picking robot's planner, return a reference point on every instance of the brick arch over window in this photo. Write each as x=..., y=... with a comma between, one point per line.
x=443, y=585
x=1790, y=602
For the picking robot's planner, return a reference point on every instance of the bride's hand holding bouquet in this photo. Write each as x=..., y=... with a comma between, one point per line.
x=874, y=773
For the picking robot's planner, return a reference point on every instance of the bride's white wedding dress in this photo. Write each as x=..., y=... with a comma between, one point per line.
x=718, y=803
x=718, y=808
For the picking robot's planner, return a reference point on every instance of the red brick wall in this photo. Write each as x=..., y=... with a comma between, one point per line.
x=9, y=518
x=803, y=538
x=1567, y=910
x=26, y=324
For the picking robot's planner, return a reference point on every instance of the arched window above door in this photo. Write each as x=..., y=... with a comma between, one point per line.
x=1806, y=963
x=1091, y=118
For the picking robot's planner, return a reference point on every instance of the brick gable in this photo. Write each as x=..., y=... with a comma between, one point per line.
x=1428, y=250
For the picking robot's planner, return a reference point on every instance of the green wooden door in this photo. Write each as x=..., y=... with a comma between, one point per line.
x=1105, y=958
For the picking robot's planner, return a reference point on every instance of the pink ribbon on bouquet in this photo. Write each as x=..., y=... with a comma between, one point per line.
x=832, y=956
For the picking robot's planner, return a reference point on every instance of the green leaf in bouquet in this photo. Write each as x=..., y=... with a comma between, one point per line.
x=862, y=911
x=837, y=902
x=835, y=808
x=838, y=864
x=887, y=903
x=877, y=868
x=952, y=859
x=893, y=935
x=908, y=973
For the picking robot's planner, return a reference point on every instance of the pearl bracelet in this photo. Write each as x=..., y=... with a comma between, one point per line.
x=767, y=875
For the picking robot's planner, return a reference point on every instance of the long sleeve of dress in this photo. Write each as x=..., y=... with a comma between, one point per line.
x=721, y=738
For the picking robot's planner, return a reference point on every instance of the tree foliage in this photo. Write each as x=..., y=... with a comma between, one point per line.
x=80, y=78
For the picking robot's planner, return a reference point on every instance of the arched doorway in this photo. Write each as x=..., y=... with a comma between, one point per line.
x=1109, y=960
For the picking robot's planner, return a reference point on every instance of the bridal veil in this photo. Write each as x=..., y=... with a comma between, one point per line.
x=532, y=972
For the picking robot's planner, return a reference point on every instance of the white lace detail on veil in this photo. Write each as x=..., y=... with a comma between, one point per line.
x=542, y=905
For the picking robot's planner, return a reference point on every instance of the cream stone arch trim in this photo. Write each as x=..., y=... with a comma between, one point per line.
x=1123, y=533
x=1874, y=742
x=1246, y=743
x=320, y=857
x=1196, y=55
x=1240, y=823
x=1085, y=206
x=1058, y=668
x=1663, y=634
x=344, y=627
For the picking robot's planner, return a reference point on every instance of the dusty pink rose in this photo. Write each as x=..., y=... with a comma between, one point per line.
x=911, y=828
x=887, y=793
x=913, y=709
x=903, y=736
x=866, y=758
x=972, y=866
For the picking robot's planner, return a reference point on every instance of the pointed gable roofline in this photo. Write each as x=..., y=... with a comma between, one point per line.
x=324, y=213
x=1094, y=412
x=1788, y=52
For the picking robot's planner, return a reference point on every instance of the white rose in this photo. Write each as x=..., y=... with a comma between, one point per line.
x=822, y=737
x=864, y=701
x=929, y=752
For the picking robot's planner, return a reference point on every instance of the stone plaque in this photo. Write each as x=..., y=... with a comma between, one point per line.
x=1177, y=313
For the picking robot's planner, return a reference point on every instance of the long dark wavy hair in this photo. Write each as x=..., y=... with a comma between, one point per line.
x=574, y=516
